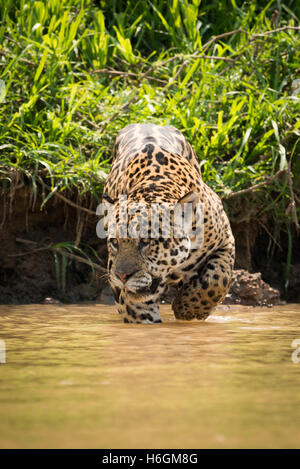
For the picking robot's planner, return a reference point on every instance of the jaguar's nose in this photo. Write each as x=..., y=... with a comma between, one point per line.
x=124, y=276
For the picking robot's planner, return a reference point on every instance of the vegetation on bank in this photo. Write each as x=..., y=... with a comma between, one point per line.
x=226, y=73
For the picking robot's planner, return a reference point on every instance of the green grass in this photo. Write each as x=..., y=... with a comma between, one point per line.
x=74, y=72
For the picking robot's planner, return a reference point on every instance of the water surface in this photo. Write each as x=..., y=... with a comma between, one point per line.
x=76, y=377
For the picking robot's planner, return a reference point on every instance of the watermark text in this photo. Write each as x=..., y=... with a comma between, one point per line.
x=2, y=351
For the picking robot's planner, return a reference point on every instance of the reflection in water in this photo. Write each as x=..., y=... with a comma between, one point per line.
x=75, y=376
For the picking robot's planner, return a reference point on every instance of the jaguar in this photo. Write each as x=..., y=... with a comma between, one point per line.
x=155, y=174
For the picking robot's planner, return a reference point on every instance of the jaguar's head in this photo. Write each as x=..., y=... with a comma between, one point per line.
x=139, y=261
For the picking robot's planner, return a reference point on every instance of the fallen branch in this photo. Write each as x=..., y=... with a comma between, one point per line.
x=85, y=261
x=272, y=31
x=120, y=73
x=252, y=38
x=220, y=36
x=213, y=57
x=267, y=181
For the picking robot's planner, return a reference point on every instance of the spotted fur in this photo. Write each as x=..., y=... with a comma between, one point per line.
x=154, y=164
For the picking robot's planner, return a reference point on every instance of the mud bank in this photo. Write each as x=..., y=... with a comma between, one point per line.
x=38, y=259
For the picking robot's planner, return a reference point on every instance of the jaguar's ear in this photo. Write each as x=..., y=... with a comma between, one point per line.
x=108, y=199
x=186, y=212
x=189, y=198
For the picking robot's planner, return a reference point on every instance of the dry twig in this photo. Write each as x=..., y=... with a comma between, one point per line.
x=121, y=73
x=256, y=186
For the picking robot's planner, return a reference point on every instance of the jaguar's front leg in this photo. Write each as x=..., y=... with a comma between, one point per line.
x=206, y=287
x=136, y=310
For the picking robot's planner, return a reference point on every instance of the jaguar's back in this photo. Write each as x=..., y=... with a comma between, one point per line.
x=134, y=137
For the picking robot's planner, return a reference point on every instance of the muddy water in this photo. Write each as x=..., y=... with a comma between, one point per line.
x=75, y=376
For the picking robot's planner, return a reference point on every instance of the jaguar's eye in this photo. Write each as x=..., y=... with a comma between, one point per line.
x=114, y=243
x=143, y=243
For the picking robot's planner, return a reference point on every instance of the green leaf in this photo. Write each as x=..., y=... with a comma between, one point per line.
x=40, y=66
x=2, y=91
